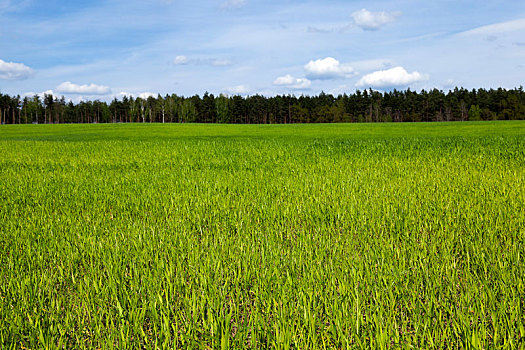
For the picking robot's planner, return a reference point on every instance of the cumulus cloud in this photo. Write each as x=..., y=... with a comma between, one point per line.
x=233, y=4
x=373, y=20
x=48, y=92
x=91, y=89
x=180, y=60
x=143, y=95
x=42, y=94
x=394, y=77
x=328, y=68
x=291, y=82
x=14, y=71
x=121, y=95
x=146, y=95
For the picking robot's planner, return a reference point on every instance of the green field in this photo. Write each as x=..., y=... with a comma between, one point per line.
x=285, y=236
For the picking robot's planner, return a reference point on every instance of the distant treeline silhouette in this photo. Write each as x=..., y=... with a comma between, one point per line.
x=362, y=106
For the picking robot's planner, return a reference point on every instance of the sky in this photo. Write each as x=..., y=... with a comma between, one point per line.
x=94, y=49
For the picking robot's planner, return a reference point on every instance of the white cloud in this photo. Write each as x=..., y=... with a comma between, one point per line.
x=91, y=89
x=239, y=89
x=312, y=29
x=146, y=95
x=291, y=82
x=49, y=92
x=14, y=71
x=41, y=94
x=394, y=77
x=373, y=20
x=215, y=62
x=498, y=28
x=143, y=95
x=179, y=60
x=233, y=4
x=328, y=68
x=121, y=95
x=219, y=63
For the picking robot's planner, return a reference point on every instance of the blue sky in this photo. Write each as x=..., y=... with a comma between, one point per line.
x=104, y=49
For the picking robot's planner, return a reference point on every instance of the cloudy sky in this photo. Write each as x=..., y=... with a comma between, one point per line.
x=100, y=49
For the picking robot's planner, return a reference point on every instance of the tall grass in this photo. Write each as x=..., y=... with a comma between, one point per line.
x=312, y=236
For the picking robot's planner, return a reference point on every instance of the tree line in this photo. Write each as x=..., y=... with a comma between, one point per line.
x=362, y=106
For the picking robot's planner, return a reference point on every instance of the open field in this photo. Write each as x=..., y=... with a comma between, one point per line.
x=287, y=236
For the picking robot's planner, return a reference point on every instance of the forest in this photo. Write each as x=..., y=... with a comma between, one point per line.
x=458, y=104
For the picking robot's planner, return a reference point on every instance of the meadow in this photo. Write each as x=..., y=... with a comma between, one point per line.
x=262, y=236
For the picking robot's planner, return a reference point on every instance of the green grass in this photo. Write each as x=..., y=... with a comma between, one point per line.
x=286, y=236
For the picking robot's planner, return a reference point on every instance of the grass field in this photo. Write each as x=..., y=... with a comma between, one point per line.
x=286, y=236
